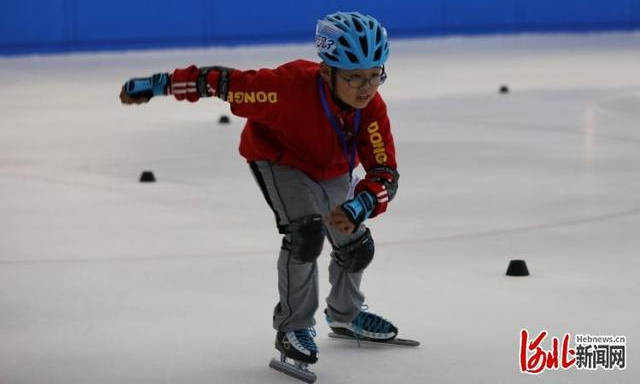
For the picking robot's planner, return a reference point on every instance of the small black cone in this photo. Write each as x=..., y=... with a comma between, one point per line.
x=224, y=119
x=504, y=89
x=517, y=268
x=147, y=177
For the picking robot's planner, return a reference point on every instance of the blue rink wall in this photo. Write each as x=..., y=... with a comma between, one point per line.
x=30, y=26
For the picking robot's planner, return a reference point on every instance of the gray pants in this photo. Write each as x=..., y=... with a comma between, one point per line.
x=291, y=194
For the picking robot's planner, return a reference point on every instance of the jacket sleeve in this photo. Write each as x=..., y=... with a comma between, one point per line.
x=254, y=94
x=377, y=153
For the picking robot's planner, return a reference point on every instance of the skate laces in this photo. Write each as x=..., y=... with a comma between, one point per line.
x=305, y=338
x=366, y=321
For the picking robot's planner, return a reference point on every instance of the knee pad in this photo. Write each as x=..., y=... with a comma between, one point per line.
x=306, y=236
x=355, y=256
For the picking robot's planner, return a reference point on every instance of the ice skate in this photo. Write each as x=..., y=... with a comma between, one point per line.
x=368, y=327
x=297, y=351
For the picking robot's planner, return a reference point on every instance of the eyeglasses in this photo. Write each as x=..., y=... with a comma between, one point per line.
x=359, y=81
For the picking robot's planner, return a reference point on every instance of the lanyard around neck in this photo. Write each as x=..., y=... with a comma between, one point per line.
x=350, y=153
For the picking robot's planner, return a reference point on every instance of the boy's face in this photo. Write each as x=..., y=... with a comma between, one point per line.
x=357, y=87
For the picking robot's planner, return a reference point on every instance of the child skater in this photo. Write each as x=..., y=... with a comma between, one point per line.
x=308, y=126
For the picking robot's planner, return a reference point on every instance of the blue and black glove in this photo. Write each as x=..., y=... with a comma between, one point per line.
x=144, y=88
x=359, y=208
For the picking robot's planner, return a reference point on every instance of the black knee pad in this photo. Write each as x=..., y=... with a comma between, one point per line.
x=357, y=255
x=307, y=237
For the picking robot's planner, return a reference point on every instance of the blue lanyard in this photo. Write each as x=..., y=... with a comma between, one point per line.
x=338, y=128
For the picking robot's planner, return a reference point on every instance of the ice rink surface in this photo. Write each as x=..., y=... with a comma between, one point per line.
x=107, y=280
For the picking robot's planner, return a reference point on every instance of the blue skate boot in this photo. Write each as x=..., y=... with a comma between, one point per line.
x=366, y=326
x=298, y=345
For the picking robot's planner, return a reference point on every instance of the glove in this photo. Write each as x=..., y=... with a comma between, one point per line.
x=359, y=208
x=144, y=88
x=381, y=182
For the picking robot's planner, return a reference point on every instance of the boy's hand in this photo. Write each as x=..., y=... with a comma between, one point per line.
x=349, y=215
x=126, y=99
x=140, y=90
x=337, y=218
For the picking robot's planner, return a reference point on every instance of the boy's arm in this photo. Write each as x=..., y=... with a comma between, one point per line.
x=378, y=156
x=372, y=194
x=252, y=94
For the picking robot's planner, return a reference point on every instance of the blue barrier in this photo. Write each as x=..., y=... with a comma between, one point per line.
x=28, y=26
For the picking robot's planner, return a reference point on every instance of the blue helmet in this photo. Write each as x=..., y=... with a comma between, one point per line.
x=351, y=40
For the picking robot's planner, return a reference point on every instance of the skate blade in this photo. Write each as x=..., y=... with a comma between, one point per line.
x=300, y=373
x=397, y=341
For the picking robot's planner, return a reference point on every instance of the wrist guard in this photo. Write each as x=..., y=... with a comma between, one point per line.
x=147, y=86
x=359, y=208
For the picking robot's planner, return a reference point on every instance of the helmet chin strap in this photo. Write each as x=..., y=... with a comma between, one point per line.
x=332, y=86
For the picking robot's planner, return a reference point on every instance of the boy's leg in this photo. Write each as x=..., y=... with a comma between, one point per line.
x=345, y=298
x=294, y=198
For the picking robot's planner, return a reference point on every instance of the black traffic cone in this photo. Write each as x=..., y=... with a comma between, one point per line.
x=147, y=177
x=517, y=268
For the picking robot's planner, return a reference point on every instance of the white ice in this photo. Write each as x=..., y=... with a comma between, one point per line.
x=107, y=280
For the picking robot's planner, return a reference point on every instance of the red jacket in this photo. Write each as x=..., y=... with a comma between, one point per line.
x=286, y=122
